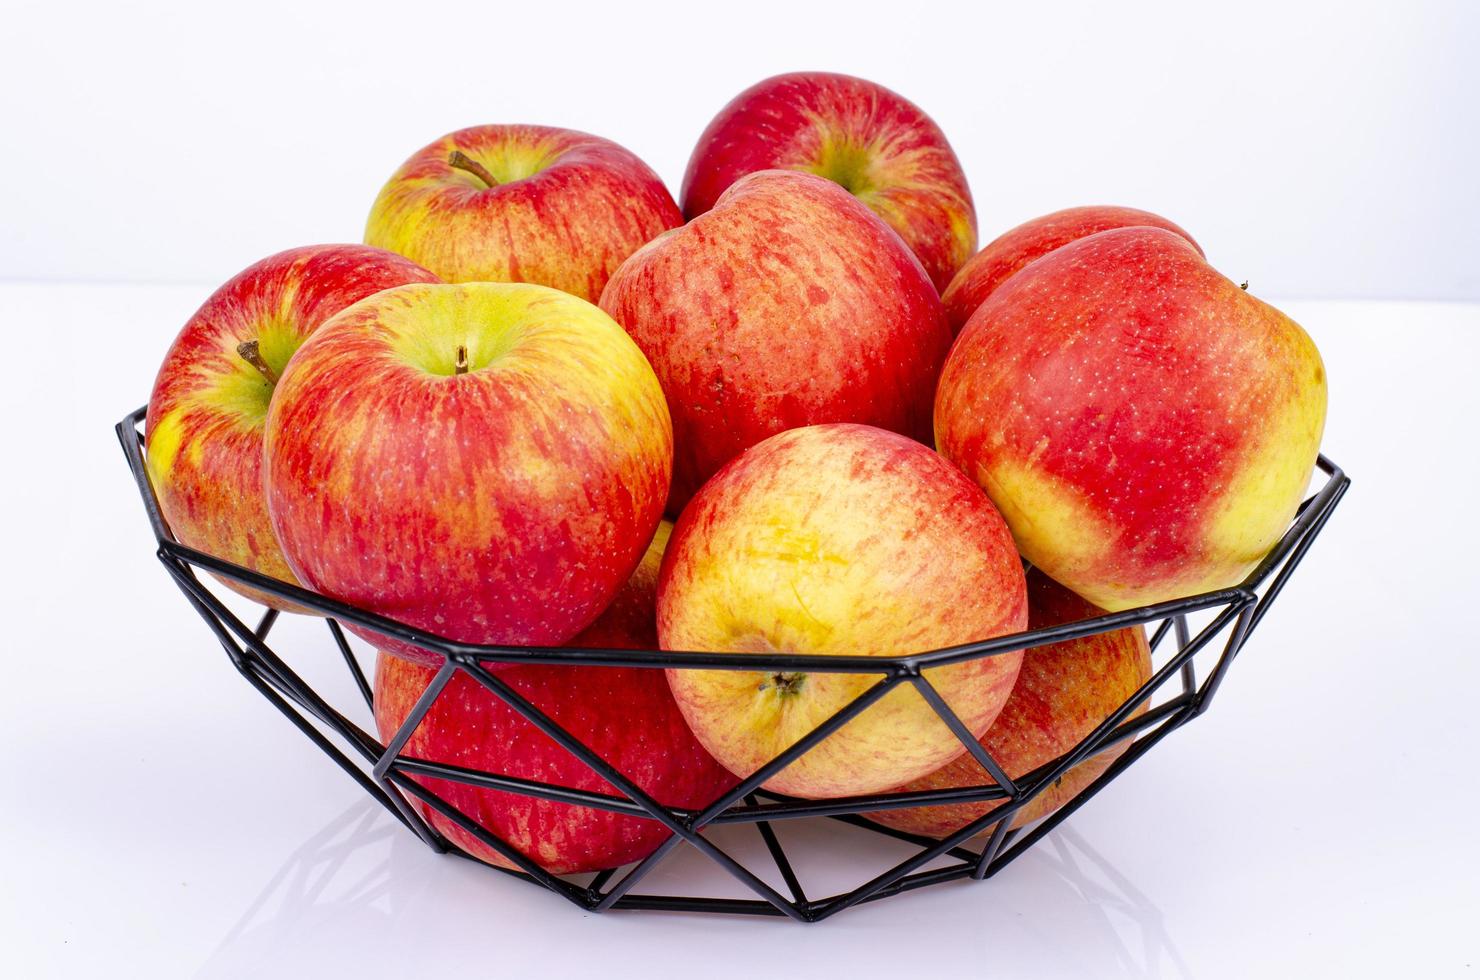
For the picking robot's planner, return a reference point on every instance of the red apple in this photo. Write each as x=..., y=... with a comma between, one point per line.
x=1010, y=251
x=486, y=461
x=878, y=145
x=522, y=204
x=203, y=430
x=625, y=715
x=787, y=304
x=1146, y=426
x=839, y=539
x=1063, y=692
x=630, y=622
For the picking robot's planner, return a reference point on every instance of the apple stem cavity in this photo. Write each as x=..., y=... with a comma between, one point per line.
x=250, y=352
x=461, y=161
x=785, y=683
x=460, y=365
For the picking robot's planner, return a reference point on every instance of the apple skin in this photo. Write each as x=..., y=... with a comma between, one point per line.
x=568, y=208
x=877, y=144
x=839, y=539
x=631, y=621
x=625, y=715
x=787, y=304
x=1010, y=251
x=203, y=428
x=504, y=505
x=1146, y=427
x=1063, y=692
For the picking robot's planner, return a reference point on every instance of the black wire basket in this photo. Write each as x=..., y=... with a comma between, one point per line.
x=1177, y=692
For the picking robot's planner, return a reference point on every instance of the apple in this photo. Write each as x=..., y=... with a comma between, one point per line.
x=1146, y=426
x=203, y=428
x=1063, y=692
x=878, y=145
x=1010, y=251
x=486, y=461
x=522, y=204
x=839, y=539
x=787, y=304
x=625, y=715
x=631, y=621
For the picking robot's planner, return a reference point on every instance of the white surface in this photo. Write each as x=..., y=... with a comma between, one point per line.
x=158, y=818
x=1322, y=149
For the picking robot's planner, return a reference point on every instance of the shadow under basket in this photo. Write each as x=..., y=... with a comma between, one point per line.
x=1211, y=628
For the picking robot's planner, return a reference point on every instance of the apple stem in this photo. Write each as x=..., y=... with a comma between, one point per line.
x=784, y=682
x=460, y=160
x=1244, y=285
x=460, y=366
x=252, y=354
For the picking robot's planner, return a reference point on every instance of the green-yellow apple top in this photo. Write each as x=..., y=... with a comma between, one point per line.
x=485, y=461
x=203, y=429
x=877, y=144
x=522, y=204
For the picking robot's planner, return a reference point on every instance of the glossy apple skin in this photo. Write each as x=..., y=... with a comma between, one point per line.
x=838, y=539
x=877, y=144
x=1146, y=427
x=787, y=304
x=504, y=505
x=1063, y=692
x=203, y=429
x=1010, y=251
x=626, y=715
x=569, y=207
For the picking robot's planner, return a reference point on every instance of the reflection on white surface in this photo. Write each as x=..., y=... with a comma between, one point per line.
x=362, y=889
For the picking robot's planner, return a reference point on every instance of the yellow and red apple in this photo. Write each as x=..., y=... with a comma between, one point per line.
x=486, y=461
x=788, y=303
x=1063, y=692
x=203, y=429
x=1010, y=251
x=1146, y=426
x=625, y=715
x=878, y=145
x=839, y=539
x=522, y=204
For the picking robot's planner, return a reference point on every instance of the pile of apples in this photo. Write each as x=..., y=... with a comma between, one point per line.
x=865, y=430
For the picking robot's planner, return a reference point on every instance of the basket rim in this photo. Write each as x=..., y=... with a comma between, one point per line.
x=1311, y=511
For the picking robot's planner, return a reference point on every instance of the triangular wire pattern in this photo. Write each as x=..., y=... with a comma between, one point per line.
x=975, y=852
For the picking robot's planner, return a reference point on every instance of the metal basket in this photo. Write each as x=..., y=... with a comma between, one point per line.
x=976, y=852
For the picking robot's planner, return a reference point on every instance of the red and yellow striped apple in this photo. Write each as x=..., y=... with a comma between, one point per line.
x=878, y=145
x=1146, y=427
x=1063, y=692
x=522, y=204
x=787, y=304
x=203, y=429
x=626, y=715
x=839, y=539
x=1010, y=251
x=486, y=461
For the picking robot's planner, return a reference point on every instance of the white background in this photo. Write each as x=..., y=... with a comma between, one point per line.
x=158, y=819
x=1315, y=149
